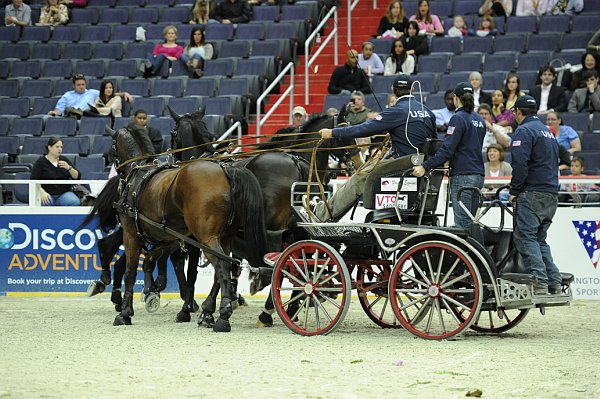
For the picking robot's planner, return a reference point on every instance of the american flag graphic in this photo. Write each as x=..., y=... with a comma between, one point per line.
x=589, y=233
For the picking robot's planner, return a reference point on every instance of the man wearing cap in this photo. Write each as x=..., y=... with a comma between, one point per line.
x=534, y=192
x=348, y=77
x=299, y=116
x=462, y=147
x=409, y=122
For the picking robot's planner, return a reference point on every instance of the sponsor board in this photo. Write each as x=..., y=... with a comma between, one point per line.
x=384, y=201
x=46, y=253
x=391, y=184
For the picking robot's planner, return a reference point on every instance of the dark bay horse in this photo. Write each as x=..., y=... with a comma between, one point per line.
x=276, y=171
x=200, y=199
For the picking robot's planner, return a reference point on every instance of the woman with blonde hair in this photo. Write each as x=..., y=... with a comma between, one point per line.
x=53, y=14
x=169, y=50
x=394, y=20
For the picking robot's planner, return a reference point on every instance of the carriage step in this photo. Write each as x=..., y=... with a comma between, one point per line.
x=271, y=258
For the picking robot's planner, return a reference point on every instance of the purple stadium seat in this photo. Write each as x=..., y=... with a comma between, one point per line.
x=45, y=51
x=16, y=51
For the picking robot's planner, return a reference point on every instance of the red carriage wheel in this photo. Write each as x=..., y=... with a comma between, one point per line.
x=428, y=283
x=372, y=286
x=311, y=288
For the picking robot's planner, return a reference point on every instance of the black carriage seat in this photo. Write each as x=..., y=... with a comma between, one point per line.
x=381, y=186
x=509, y=263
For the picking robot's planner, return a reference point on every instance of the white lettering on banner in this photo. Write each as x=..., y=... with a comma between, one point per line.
x=48, y=239
x=391, y=184
x=384, y=201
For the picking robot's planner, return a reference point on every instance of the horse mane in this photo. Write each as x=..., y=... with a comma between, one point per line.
x=190, y=130
x=132, y=141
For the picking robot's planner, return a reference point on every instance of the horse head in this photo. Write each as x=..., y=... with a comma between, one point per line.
x=131, y=142
x=190, y=131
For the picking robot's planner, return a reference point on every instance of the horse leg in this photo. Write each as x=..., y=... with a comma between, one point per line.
x=118, y=270
x=192, y=273
x=223, y=275
x=151, y=292
x=161, y=280
x=107, y=247
x=210, y=305
x=133, y=247
x=239, y=299
x=178, y=259
x=265, y=318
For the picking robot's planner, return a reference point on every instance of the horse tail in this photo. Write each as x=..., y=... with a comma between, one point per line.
x=103, y=206
x=248, y=210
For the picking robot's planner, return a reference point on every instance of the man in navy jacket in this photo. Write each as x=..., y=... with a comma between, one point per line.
x=534, y=191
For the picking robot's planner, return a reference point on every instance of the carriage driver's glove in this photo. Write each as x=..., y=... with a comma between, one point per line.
x=326, y=133
x=418, y=171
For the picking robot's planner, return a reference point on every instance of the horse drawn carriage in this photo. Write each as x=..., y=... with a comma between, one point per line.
x=407, y=270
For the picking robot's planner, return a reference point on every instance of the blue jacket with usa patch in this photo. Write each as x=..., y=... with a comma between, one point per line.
x=406, y=111
x=534, y=158
x=462, y=145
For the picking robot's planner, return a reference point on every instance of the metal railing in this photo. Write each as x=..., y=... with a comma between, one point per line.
x=288, y=92
x=237, y=126
x=310, y=60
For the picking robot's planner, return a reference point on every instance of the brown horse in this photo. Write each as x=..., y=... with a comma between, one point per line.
x=162, y=204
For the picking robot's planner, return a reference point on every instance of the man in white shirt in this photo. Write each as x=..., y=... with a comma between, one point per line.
x=443, y=115
x=494, y=134
x=549, y=96
x=17, y=14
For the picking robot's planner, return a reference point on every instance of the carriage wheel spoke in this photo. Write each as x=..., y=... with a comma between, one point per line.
x=420, y=310
x=321, y=270
x=449, y=273
x=460, y=291
x=316, y=307
x=305, y=304
x=413, y=279
x=452, y=300
x=327, y=315
x=411, y=290
x=297, y=267
x=433, y=276
x=297, y=297
x=430, y=318
x=330, y=277
x=439, y=269
x=452, y=312
x=491, y=319
x=455, y=280
x=420, y=271
x=305, y=264
x=412, y=303
x=439, y=311
x=292, y=277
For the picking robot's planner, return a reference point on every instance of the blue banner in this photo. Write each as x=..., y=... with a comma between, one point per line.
x=45, y=253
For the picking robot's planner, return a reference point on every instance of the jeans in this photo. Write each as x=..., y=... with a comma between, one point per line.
x=156, y=61
x=186, y=58
x=533, y=215
x=471, y=200
x=65, y=199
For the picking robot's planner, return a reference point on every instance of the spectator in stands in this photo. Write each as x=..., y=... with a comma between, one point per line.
x=567, y=7
x=586, y=99
x=197, y=50
x=393, y=24
x=548, y=95
x=202, y=11
x=332, y=111
x=17, y=13
x=487, y=26
x=299, y=116
x=459, y=29
x=169, y=50
x=428, y=24
x=358, y=113
x=443, y=115
x=415, y=44
x=233, y=12
x=577, y=168
x=369, y=61
x=594, y=43
x=54, y=14
x=494, y=133
x=512, y=89
x=399, y=62
x=140, y=119
x=565, y=135
x=590, y=60
x=496, y=8
x=479, y=95
x=495, y=166
x=391, y=100
x=53, y=166
x=348, y=77
x=78, y=100
x=531, y=7
x=502, y=114
x=108, y=103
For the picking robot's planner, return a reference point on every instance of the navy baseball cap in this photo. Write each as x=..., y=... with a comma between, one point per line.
x=462, y=88
x=402, y=81
x=525, y=102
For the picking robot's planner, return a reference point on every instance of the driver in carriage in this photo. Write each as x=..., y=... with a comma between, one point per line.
x=410, y=124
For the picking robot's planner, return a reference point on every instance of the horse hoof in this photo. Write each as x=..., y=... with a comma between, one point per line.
x=152, y=302
x=196, y=307
x=242, y=301
x=183, y=317
x=264, y=320
x=222, y=326
x=122, y=321
x=234, y=304
x=207, y=319
x=118, y=308
x=95, y=288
